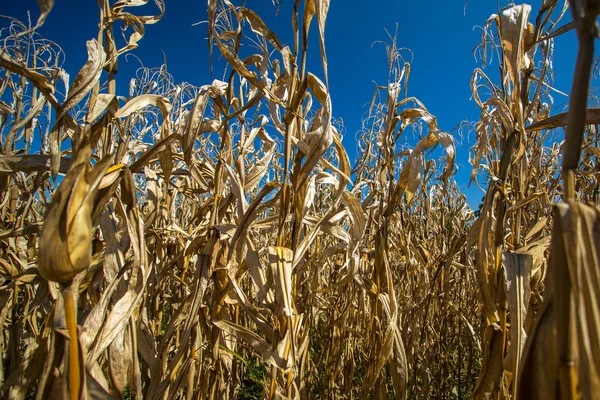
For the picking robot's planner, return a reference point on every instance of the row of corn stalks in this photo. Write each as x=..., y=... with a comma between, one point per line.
x=215, y=242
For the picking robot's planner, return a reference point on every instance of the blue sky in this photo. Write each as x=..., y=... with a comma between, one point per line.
x=440, y=34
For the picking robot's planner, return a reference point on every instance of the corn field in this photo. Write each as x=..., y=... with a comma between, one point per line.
x=183, y=242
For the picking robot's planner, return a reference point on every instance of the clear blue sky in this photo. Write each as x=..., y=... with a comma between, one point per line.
x=441, y=35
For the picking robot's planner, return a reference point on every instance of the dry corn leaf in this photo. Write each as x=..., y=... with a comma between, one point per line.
x=575, y=250
x=103, y=102
x=140, y=102
x=30, y=163
x=86, y=78
x=259, y=27
x=517, y=274
x=39, y=81
x=539, y=367
x=513, y=28
x=45, y=8
x=66, y=239
x=592, y=117
x=280, y=260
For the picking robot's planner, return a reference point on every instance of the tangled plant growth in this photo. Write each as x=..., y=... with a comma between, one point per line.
x=209, y=242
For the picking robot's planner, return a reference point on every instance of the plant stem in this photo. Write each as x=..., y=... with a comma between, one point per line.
x=73, y=367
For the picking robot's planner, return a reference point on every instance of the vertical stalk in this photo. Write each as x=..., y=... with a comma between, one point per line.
x=586, y=32
x=73, y=366
x=584, y=14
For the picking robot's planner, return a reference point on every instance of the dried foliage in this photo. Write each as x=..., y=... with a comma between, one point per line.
x=209, y=242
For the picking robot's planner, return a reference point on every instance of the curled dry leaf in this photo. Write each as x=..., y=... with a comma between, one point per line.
x=66, y=239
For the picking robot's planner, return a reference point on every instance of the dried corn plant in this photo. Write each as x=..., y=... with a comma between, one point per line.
x=209, y=242
x=416, y=234
x=567, y=328
x=186, y=226
x=511, y=238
